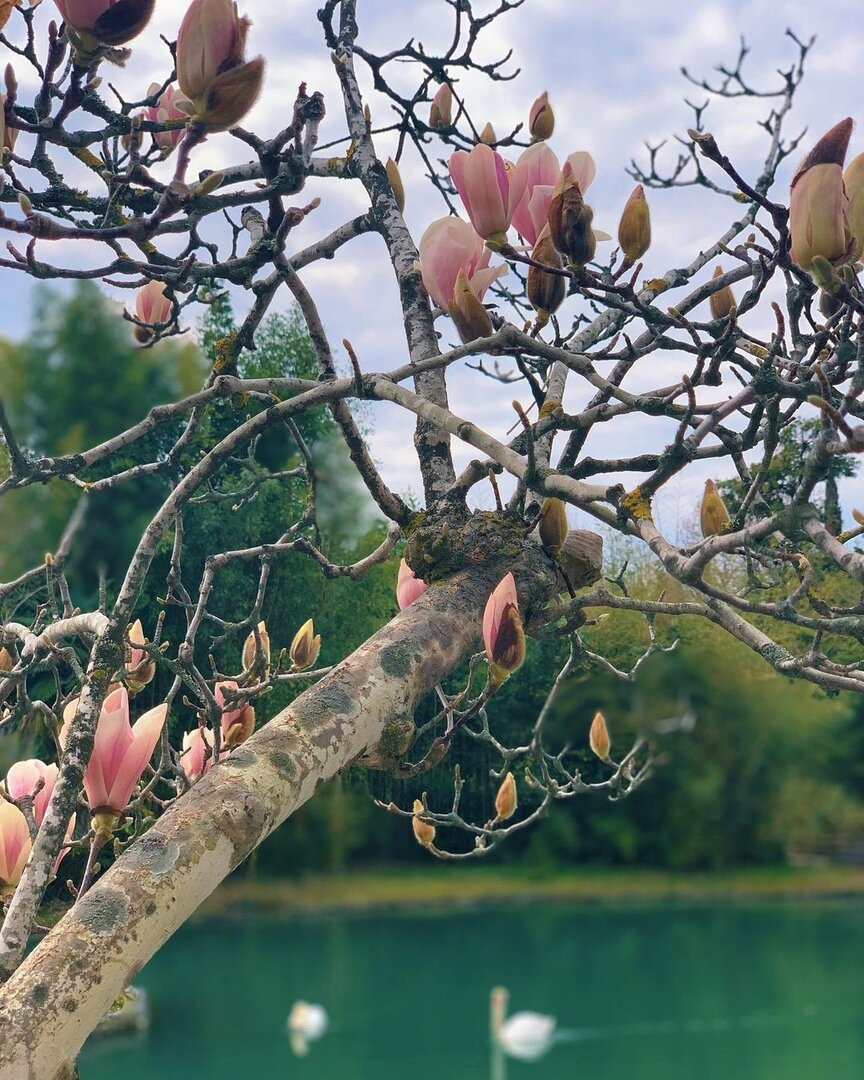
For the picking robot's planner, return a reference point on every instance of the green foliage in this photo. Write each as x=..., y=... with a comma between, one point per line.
x=76, y=380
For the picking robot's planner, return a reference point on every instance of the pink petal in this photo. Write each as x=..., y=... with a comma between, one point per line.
x=14, y=843
x=583, y=169
x=145, y=735
x=408, y=586
x=113, y=739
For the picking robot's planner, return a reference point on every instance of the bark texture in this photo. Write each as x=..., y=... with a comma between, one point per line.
x=57, y=996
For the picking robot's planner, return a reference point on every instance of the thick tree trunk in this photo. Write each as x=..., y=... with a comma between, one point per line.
x=57, y=996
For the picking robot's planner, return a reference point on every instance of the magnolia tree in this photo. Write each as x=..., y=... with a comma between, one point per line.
x=515, y=268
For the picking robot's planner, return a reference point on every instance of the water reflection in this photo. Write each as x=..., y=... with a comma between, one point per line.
x=665, y=993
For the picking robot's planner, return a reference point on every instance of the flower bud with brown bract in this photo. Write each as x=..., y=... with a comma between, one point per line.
x=570, y=220
x=305, y=647
x=546, y=292
x=250, y=651
x=471, y=318
x=818, y=205
x=488, y=136
x=553, y=526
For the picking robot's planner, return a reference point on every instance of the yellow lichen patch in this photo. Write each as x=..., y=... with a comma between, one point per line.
x=89, y=159
x=637, y=505
x=226, y=351
x=549, y=407
x=656, y=285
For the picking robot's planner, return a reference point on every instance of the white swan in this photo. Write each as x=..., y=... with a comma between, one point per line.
x=305, y=1024
x=524, y=1035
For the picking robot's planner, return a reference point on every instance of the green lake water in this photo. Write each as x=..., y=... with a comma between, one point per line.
x=667, y=992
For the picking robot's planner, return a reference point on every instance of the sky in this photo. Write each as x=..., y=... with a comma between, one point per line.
x=613, y=73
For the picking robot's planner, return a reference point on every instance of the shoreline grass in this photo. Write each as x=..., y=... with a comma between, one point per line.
x=447, y=886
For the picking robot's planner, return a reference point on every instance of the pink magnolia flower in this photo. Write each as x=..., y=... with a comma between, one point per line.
x=503, y=635
x=164, y=110
x=408, y=586
x=490, y=188
x=151, y=303
x=121, y=750
x=23, y=778
x=447, y=246
x=238, y=722
x=14, y=844
x=113, y=22
x=197, y=746
x=542, y=172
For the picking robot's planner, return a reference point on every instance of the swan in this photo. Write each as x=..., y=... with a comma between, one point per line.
x=524, y=1035
x=307, y=1020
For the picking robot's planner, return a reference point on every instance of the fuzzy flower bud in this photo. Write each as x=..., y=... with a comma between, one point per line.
x=250, y=650
x=713, y=515
x=211, y=67
x=424, y=831
x=634, y=229
x=721, y=302
x=396, y=183
x=505, y=800
x=441, y=111
x=488, y=136
x=141, y=669
x=546, y=292
x=598, y=737
x=570, y=220
x=853, y=182
x=471, y=318
x=541, y=119
x=818, y=206
x=305, y=647
x=553, y=526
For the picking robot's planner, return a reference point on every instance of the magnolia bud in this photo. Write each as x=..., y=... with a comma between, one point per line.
x=208, y=185
x=859, y=517
x=487, y=135
x=305, y=647
x=503, y=635
x=471, y=318
x=553, y=526
x=441, y=110
x=250, y=650
x=546, y=292
x=713, y=515
x=424, y=831
x=240, y=730
x=853, y=182
x=505, y=800
x=570, y=220
x=818, y=205
x=7, y=663
x=634, y=229
x=722, y=302
x=396, y=183
x=541, y=119
x=599, y=737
